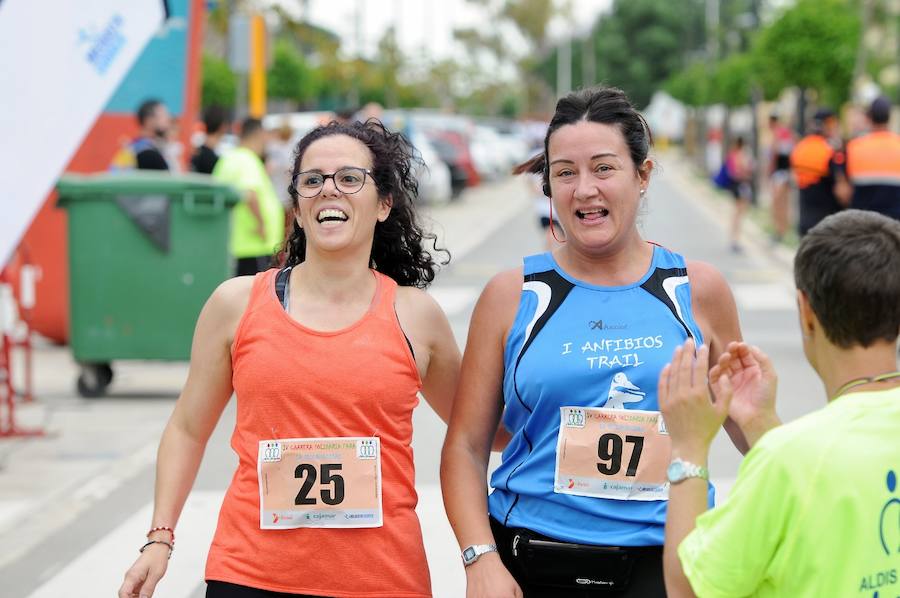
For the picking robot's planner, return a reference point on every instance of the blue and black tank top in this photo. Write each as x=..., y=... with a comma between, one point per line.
x=575, y=344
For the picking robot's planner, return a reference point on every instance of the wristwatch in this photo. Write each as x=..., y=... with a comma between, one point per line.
x=473, y=552
x=679, y=470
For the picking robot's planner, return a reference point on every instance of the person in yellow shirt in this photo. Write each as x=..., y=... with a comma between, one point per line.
x=815, y=510
x=257, y=222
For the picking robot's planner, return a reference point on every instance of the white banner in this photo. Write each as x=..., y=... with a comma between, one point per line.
x=60, y=62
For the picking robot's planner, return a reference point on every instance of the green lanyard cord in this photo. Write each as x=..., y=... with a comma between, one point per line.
x=860, y=381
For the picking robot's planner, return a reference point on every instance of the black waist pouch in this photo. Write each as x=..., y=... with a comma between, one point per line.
x=564, y=565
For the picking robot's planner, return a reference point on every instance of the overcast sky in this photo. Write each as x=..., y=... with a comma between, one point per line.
x=421, y=24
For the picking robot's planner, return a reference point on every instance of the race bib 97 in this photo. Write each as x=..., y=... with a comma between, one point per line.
x=319, y=482
x=612, y=453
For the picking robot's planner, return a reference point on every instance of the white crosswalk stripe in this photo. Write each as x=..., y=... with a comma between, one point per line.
x=764, y=297
x=454, y=299
x=99, y=570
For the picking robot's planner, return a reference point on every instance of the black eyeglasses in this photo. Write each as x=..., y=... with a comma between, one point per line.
x=347, y=180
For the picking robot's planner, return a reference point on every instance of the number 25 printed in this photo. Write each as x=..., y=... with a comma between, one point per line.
x=308, y=474
x=609, y=450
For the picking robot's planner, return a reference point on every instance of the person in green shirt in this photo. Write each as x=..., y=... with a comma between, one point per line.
x=257, y=222
x=815, y=510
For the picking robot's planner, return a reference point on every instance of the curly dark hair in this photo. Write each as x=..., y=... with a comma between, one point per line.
x=398, y=250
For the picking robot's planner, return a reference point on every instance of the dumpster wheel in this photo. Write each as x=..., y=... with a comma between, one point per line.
x=94, y=379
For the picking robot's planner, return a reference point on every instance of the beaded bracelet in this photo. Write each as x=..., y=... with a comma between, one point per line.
x=144, y=547
x=162, y=528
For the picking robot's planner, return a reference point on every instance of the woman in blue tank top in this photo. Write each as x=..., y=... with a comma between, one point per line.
x=568, y=350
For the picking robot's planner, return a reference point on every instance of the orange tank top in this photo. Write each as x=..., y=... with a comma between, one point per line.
x=294, y=382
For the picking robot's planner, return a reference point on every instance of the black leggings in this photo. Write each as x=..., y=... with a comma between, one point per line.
x=646, y=576
x=222, y=589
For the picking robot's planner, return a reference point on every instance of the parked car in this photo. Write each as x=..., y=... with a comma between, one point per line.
x=434, y=175
x=490, y=153
x=454, y=151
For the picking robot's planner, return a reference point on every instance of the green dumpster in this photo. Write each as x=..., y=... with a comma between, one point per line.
x=146, y=249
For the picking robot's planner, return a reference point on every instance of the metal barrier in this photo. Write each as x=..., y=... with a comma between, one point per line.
x=16, y=334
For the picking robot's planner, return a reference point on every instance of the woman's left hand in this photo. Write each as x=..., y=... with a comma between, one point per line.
x=691, y=415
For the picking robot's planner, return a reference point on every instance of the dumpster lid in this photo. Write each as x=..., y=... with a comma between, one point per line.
x=73, y=187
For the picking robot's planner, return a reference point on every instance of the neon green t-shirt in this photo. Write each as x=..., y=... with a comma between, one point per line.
x=244, y=169
x=815, y=510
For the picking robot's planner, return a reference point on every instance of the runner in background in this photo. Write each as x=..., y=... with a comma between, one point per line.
x=568, y=350
x=780, y=176
x=815, y=509
x=326, y=357
x=553, y=235
x=739, y=166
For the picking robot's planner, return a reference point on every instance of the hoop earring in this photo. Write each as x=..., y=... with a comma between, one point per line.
x=552, y=230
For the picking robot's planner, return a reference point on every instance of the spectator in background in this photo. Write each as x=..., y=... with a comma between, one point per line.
x=739, y=166
x=216, y=121
x=345, y=115
x=873, y=164
x=780, y=176
x=371, y=110
x=817, y=165
x=155, y=122
x=257, y=223
x=173, y=150
x=280, y=161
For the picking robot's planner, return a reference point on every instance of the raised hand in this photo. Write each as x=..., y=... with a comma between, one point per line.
x=754, y=383
x=692, y=416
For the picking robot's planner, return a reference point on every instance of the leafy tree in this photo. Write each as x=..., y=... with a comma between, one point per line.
x=531, y=18
x=390, y=62
x=638, y=45
x=290, y=77
x=812, y=45
x=732, y=80
x=219, y=83
x=691, y=85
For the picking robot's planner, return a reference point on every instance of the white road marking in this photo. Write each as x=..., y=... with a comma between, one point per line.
x=448, y=578
x=99, y=571
x=11, y=510
x=454, y=299
x=55, y=514
x=764, y=297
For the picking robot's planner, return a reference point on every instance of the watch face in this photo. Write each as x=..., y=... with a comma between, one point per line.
x=675, y=472
x=469, y=554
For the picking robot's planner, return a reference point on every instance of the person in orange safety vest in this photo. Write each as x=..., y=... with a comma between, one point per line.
x=873, y=164
x=817, y=165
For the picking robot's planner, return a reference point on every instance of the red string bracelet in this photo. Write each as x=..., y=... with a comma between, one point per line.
x=163, y=528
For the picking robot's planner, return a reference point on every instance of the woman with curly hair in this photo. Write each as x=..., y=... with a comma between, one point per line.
x=326, y=357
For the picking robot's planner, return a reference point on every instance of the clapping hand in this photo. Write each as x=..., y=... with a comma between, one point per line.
x=754, y=384
x=691, y=414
